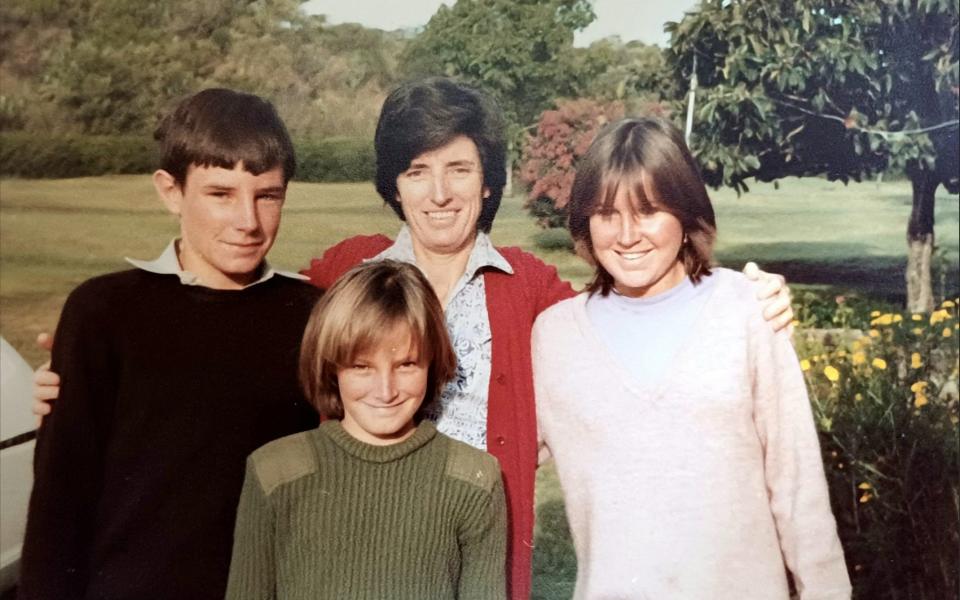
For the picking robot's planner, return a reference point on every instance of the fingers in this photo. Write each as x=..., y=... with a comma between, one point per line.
x=45, y=341
x=46, y=388
x=770, y=285
x=778, y=310
x=752, y=271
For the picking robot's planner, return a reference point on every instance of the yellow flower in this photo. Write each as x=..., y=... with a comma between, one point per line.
x=804, y=365
x=879, y=363
x=795, y=323
x=866, y=497
x=915, y=361
x=897, y=318
x=856, y=345
x=857, y=397
x=875, y=313
x=874, y=333
x=864, y=486
x=916, y=317
x=884, y=319
x=947, y=332
x=831, y=373
x=919, y=389
x=917, y=331
x=947, y=304
x=858, y=358
x=938, y=315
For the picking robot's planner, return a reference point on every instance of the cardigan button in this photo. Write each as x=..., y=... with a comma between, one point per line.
x=501, y=440
x=501, y=379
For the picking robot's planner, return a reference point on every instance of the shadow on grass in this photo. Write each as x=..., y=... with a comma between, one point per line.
x=844, y=267
x=554, y=562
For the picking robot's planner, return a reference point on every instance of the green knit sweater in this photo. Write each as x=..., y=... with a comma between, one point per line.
x=324, y=515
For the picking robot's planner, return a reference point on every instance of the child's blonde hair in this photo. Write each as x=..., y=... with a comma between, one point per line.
x=352, y=317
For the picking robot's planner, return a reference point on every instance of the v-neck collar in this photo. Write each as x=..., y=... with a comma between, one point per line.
x=678, y=360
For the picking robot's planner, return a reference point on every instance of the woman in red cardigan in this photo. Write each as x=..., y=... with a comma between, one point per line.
x=441, y=166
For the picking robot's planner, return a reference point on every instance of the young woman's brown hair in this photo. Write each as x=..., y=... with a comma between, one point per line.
x=649, y=155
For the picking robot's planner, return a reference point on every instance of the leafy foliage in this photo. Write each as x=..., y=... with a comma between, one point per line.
x=839, y=88
x=550, y=155
x=816, y=87
x=41, y=156
x=111, y=66
x=519, y=50
x=886, y=405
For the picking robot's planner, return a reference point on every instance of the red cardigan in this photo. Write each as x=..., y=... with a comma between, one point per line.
x=513, y=303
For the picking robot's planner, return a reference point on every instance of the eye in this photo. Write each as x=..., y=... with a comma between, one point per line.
x=359, y=366
x=414, y=174
x=271, y=197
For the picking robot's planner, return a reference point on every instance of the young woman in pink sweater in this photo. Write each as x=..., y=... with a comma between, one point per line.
x=678, y=418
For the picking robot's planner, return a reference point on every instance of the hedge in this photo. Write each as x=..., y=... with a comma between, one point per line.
x=34, y=155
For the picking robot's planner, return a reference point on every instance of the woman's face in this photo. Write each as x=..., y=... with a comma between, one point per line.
x=382, y=388
x=640, y=251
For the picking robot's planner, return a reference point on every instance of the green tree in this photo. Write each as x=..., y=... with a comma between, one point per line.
x=519, y=50
x=842, y=88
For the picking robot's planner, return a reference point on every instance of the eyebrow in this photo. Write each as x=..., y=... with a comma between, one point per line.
x=465, y=162
x=272, y=190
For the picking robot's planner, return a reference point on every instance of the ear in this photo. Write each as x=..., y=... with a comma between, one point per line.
x=169, y=190
x=486, y=192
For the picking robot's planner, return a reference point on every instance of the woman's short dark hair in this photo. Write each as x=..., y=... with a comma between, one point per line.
x=426, y=114
x=354, y=315
x=218, y=127
x=649, y=156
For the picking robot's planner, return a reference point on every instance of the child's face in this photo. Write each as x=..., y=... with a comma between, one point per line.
x=228, y=221
x=382, y=389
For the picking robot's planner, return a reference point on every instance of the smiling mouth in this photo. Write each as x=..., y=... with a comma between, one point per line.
x=245, y=245
x=440, y=215
x=633, y=255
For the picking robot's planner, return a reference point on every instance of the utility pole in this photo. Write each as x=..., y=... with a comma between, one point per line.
x=693, y=93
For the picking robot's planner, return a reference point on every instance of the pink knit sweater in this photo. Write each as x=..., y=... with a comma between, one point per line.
x=703, y=483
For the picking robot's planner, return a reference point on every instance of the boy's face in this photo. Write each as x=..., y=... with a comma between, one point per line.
x=382, y=389
x=228, y=221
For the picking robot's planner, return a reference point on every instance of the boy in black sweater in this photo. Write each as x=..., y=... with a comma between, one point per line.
x=172, y=373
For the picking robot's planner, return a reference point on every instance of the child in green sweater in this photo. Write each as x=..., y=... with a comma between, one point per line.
x=374, y=503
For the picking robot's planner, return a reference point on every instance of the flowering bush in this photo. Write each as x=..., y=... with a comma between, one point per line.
x=549, y=156
x=886, y=405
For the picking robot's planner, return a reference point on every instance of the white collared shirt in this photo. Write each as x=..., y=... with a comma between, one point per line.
x=169, y=264
x=461, y=411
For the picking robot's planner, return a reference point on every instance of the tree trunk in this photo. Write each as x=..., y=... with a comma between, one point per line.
x=920, y=241
x=508, y=188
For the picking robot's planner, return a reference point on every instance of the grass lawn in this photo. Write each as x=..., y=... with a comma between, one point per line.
x=56, y=233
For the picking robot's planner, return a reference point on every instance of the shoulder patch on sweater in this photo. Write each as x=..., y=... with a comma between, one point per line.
x=476, y=467
x=283, y=461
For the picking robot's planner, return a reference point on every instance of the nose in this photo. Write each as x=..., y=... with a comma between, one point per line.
x=387, y=387
x=630, y=230
x=441, y=189
x=246, y=217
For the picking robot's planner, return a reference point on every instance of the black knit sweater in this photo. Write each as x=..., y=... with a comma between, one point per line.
x=166, y=388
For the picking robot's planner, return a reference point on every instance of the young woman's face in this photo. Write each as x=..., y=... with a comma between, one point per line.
x=382, y=389
x=640, y=251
